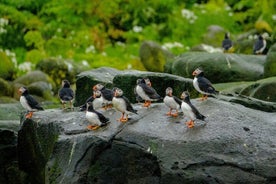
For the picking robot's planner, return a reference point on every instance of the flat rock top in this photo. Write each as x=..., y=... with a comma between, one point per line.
x=224, y=119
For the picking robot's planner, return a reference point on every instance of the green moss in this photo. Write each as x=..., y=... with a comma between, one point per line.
x=7, y=69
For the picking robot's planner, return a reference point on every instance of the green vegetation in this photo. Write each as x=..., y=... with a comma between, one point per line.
x=109, y=33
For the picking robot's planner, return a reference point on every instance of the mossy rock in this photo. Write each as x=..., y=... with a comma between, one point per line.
x=58, y=70
x=38, y=83
x=7, y=69
x=86, y=80
x=153, y=56
x=220, y=67
x=6, y=89
x=160, y=81
x=270, y=65
x=42, y=89
x=214, y=36
x=262, y=90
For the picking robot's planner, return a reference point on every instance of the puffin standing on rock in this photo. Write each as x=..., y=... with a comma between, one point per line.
x=107, y=95
x=146, y=92
x=94, y=117
x=189, y=110
x=28, y=102
x=172, y=102
x=122, y=104
x=202, y=84
x=96, y=99
x=66, y=94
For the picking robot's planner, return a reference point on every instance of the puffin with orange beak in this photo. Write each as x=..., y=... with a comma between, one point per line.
x=172, y=102
x=146, y=92
x=189, y=110
x=202, y=84
x=107, y=95
x=96, y=99
x=95, y=118
x=28, y=102
x=122, y=104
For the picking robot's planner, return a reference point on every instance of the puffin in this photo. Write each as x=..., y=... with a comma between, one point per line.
x=95, y=118
x=138, y=98
x=202, y=84
x=259, y=45
x=227, y=44
x=66, y=94
x=122, y=104
x=96, y=99
x=107, y=95
x=146, y=92
x=189, y=110
x=173, y=102
x=28, y=102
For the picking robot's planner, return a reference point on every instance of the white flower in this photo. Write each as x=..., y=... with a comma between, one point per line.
x=274, y=17
x=137, y=29
x=84, y=63
x=25, y=67
x=91, y=49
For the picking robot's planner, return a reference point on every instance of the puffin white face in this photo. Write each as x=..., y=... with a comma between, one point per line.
x=169, y=91
x=147, y=81
x=22, y=90
x=97, y=94
x=118, y=92
x=197, y=72
x=184, y=95
x=98, y=87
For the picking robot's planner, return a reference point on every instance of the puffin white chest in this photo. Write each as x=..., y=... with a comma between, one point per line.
x=92, y=118
x=187, y=110
x=98, y=102
x=196, y=86
x=170, y=102
x=119, y=104
x=142, y=93
x=25, y=104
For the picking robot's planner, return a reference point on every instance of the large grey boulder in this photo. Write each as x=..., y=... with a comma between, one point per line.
x=236, y=145
x=220, y=67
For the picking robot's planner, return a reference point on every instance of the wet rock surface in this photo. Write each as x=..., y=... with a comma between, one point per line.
x=236, y=145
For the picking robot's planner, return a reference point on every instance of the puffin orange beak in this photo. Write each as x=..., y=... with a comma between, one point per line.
x=194, y=73
x=94, y=88
x=19, y=92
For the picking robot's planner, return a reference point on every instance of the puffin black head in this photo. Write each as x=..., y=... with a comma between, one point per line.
x=260, y=37
x=169, y=91
x=98, y=87
x=227, y=36
x=65, y=84
x=185, y=95
x=23, y=90
x=197, y=72
x=89, y=106
x=147, y=81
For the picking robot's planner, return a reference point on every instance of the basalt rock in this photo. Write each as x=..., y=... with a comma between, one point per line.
x=235, y=145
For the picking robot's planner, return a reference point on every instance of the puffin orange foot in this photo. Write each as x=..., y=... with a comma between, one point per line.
x=174, y=115
x=147, y=103
x=29, y=115
x=91, y=127
x=168, y=113
x=123, y=120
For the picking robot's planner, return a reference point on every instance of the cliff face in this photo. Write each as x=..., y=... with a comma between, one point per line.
x=236, y=145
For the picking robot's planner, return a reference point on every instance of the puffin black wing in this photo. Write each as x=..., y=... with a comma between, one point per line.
x=66, y=94
x=33, y=103
x=107, y=94
x=129, y=106
x=177, y=100
x=205, y=85
x=196, y=112
x=102, y=118
x=226, y=44
x=83, y=107
x=150, y=91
